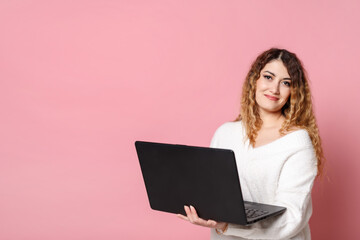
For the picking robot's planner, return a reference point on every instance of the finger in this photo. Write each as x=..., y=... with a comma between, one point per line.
x=194, y=215
x=198, y=220
x=182, y=217
x=211, y=223
x=193, y=210
x=194, y=218
x=188, y=213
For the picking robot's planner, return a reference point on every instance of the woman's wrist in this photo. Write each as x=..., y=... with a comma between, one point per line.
x=222, y=229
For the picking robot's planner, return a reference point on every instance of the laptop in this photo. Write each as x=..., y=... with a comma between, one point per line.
x=206, y=178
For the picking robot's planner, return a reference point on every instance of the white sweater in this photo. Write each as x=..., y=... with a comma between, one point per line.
x=280, y=173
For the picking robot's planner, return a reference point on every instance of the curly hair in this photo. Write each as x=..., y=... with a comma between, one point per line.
x=298, y=110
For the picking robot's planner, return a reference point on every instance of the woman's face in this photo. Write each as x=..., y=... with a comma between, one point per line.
x=273, y=87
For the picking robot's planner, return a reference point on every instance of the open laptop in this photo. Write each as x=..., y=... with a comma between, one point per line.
x=206, y=178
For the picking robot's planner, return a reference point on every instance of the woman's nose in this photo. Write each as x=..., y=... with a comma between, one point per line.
x=275, y=87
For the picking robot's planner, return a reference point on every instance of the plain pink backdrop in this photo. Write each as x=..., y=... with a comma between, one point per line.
x=80, y=81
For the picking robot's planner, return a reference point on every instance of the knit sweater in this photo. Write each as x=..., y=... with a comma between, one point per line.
x=279, y=173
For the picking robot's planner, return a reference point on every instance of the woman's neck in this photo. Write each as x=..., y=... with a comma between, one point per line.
x=272, y=120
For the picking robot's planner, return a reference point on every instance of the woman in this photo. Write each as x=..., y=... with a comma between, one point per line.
x=277, y=147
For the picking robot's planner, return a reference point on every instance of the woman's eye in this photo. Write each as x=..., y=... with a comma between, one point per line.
x=267, y=77
x=287, y=84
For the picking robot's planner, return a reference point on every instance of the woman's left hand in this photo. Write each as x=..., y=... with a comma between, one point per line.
x=192, y=216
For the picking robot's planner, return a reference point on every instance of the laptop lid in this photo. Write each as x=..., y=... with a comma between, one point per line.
x=206, y=178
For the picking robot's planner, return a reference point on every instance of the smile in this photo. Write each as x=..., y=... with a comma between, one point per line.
x=272, y=98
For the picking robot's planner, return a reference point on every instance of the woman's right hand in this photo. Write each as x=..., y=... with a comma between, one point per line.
x=192, y=216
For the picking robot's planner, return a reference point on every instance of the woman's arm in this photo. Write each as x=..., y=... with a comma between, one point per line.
x=293, y=192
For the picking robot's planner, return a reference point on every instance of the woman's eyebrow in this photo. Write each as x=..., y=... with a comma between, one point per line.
x=275, y=75
x=270, y=73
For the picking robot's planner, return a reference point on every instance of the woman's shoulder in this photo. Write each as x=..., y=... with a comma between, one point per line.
x=229, y=127
x=298, y=136
x=227, y=133
x=229, y=130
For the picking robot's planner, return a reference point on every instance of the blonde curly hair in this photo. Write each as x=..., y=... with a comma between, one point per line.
x=298, y=110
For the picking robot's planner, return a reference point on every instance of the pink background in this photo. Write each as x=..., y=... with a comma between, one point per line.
x=80, y=81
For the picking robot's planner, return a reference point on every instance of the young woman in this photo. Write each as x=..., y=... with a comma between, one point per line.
x=277, y=146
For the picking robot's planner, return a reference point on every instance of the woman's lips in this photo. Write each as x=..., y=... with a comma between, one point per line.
x=271, y=97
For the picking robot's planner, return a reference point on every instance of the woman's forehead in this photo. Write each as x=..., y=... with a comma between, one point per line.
x=277, y=68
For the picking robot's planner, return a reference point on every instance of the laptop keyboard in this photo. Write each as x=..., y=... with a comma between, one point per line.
x=253, y=213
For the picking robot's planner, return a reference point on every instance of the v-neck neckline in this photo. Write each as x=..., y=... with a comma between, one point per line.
x=265, y=146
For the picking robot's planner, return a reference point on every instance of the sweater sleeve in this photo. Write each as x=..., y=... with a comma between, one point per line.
x=293, y=192
x=216, y=137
